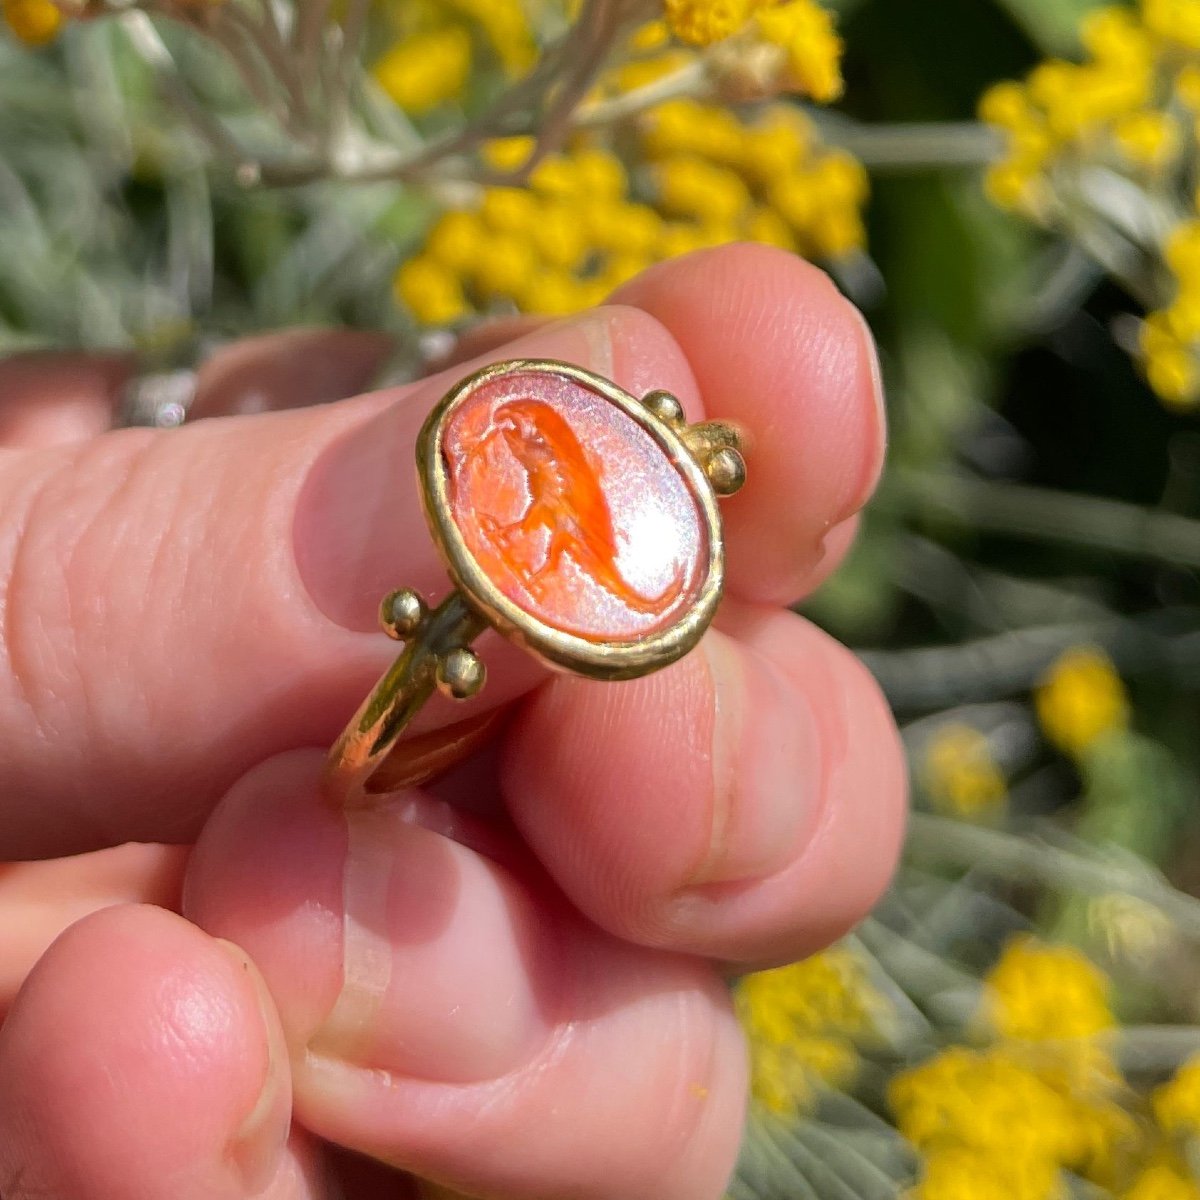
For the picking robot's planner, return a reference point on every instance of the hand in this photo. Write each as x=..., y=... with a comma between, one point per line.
x=510, y=983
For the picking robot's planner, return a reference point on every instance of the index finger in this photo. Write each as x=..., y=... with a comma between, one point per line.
x=182, y=605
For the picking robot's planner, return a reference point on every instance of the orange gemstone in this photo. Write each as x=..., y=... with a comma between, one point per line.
x=572, y=509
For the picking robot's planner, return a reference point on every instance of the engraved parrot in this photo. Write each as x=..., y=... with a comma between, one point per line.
x=566, y=500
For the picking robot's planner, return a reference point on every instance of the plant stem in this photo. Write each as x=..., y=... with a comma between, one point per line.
x=916, y=146
x=1029, y=859
x=1053, y=516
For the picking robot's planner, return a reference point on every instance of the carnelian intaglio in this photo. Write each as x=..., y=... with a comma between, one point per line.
x=572, y=509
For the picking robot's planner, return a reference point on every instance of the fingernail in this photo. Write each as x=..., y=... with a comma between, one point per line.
x=359, y=531
x=879, y=423
x=258, y=1143
x=446, y=964
x=765, y=764
x=56, y=399
x=292, y=369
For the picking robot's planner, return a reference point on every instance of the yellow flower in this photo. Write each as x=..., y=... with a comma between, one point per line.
x=598, y=173
x=830, y=990
x=1168, y=359
x=1183, y=317
x=506, y=265
x=1148, y=138
x=1171, y=371
x=785, y=1077
x=688, y=127
x=1114, y=34
x=680, y=237
x=837, y=232
x=619, y=227
x=806, y=32
x=1177, y=20
x=629, y=76
x=558, y=236
x=702, y=22
x=1007, y=106
x=653, y=35
x=553, y=294
x=959, y=1174
x=765, y=225
x=430, y=291
x=1187, y=86
x=1013, y=184
x=839, y=179
x=426, y=69
x=1081, y=699
x=1038, y=991
x=510, y=210
x=960, y=774
x=508, y=154
x=803, y=1023
x=793, y=199
x=1077, y=100
x=694, y=188
x=34, y=22
x=621, y=268
x=555, y=176
x=456, y=240
x=1177, y=1103
x=983, y=1101
x=1163, y=1180
x=506, y=26
x=776, y=147
x=1182, y=252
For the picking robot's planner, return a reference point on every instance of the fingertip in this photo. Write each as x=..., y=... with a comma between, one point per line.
x=131, y=1018
x=777, y=348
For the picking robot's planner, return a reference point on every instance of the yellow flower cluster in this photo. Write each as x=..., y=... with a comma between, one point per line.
x=1008, y=1118
x=1164, y=1178
x=1081, y=699
x=430, y=62
x=505, y=25
x=702, y=22
x=804, y=1024
x=801, y=30
x=1132, y=107
x=1037, y=992
x=960, y=775
x=1177, y=1103
x=805, y=32
x=1101, y=107
x=578, y=229
x=1171, y=336
x=426, y=69
x=34, y=22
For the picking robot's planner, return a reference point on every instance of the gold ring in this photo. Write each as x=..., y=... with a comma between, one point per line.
x=577, y=520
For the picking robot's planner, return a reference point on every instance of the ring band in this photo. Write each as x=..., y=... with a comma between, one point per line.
x=578, y=521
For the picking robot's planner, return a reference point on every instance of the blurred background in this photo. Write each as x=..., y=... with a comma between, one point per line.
x=1008, y=189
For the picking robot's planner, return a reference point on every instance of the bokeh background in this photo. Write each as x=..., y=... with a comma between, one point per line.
x=1008, y=189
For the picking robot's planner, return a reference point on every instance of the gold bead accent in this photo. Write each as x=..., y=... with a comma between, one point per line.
x=726, y=471
x=460, y=674
x=401, y=613
x=664, y=406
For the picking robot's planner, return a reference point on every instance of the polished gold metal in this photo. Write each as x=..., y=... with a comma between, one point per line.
x=437, y=653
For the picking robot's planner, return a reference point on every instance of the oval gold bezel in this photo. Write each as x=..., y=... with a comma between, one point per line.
x=555, y=647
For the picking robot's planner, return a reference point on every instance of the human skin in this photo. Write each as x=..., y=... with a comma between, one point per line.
x=508, y=984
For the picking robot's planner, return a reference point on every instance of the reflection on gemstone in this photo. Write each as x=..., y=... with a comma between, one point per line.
x=571, y=508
